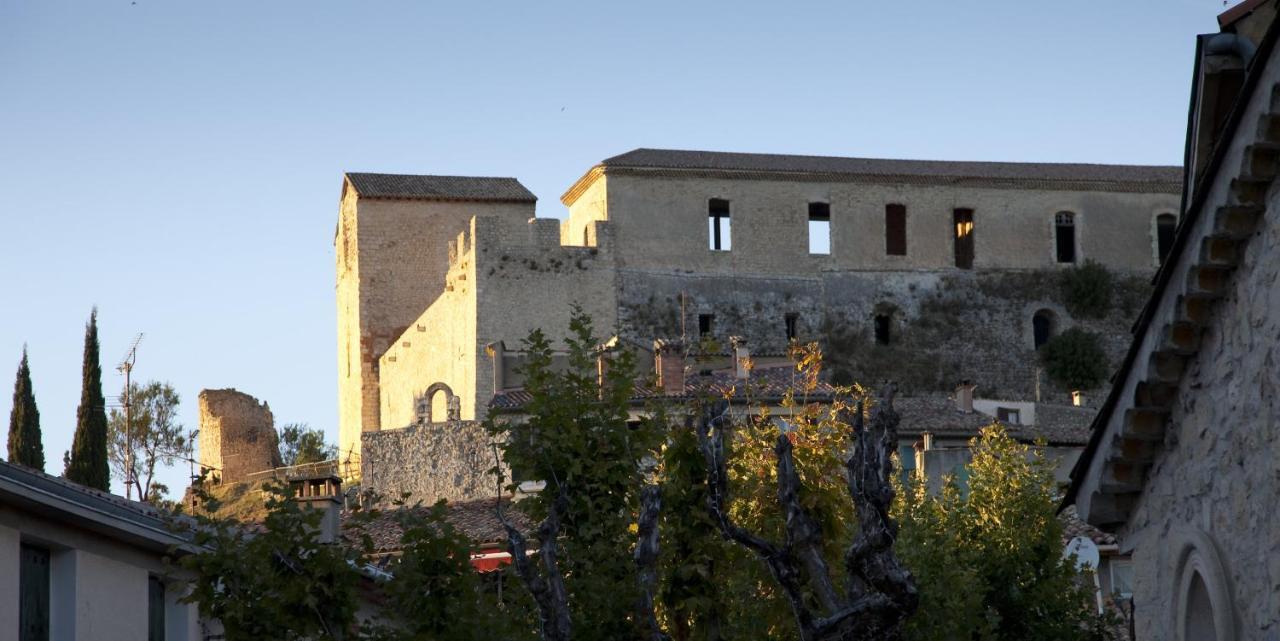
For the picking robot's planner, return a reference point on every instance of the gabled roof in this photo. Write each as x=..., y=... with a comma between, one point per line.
x=465, y=188
x=749, y=166
x=1227, y=202
x=64, y=501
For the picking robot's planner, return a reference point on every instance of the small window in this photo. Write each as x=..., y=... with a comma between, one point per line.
x=1041, y=327
x=895, y=230
x=1064, y=233
x=1009, y=415
x=792, y=320
x=586, y=236
x=963, y=226
x=33, y=594
x=706, y=323
x=819, y=228
x=718, y=221
x=883, y=324
x=1166, y=225
x=155, y=609
x=1122, y=578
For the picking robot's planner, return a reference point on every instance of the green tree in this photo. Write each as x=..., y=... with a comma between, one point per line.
x=1087, y=290
x=576, y=438
x=152, y=437
x=25, y=447
x=299, y=445
x=87, y=464
x=988, y=557
x=1075, y=359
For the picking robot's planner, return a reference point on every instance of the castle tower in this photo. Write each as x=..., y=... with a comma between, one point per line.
x=392, y=256
x=237, y=435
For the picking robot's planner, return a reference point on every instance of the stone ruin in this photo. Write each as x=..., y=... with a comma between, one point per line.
x=237, y=435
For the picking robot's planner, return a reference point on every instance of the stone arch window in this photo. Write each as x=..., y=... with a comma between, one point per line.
x=1202, y=605
x=424, y=410
x=1042, y=327
x=882, y=324
x=1166, y=225
x=1064, y=235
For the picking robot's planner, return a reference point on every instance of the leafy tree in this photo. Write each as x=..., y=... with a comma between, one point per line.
x=87, y=464
x=276, y=581
x=299, y=445
x=25, y=447
x=576, y=437
x=1075, y=359
x=1087, y=290
x=152, y=437
x=989, y=556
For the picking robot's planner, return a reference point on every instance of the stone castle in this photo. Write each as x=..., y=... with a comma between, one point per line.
x=929, y=272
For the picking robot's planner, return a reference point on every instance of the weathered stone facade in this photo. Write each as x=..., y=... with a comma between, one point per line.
x=634, y=254
x=429, y=461
x=237, y=435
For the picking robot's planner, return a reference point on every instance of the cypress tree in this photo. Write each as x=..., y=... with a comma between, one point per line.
x=25, y=447
x=88, y=463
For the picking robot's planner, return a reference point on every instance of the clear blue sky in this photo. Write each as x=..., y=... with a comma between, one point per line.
x=178, y=164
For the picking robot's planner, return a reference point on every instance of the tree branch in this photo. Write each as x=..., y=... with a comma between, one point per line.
x=646, y=558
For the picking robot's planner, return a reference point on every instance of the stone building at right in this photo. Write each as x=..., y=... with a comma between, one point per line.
x=1183, y=464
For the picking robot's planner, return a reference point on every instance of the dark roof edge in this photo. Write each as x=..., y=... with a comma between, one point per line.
x=1163, y=276
x=530, y=198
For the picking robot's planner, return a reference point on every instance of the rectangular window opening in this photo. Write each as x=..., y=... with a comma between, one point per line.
x=882, y=329
x=706, y=323
x=895, y=230
x=718, y=224
x=792, y=321
x=33, y=594
x=963, y=229
x=1009, y=415
x=155, y=609
x=819, y=228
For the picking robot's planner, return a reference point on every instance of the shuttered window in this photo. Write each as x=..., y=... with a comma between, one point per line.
x=895, y=230
x=33, y=594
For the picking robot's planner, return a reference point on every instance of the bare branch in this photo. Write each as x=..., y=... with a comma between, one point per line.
x=646, y=557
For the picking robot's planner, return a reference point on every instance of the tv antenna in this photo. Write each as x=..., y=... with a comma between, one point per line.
x=126, y=367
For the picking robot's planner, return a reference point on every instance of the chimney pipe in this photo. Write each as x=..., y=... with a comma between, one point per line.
x=668, y=360
x=741, y=358
x=964, y=397
x=322, y=493
x=1077, y=398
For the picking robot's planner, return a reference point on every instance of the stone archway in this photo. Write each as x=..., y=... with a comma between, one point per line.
x=422, y=407
x=1203, y=608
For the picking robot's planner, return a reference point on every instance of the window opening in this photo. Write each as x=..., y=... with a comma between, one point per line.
x=1166, y=225
x=155, y=609
x=718, y=222
x=705, y=324
x=792, y=320
x=895, y=230
x=33, y=594
x=1064, y=230
x=1041, y=327
x=882, y=329
x=963, y=219
x=819, y=228
x=1122, y=578
x=1009, y=415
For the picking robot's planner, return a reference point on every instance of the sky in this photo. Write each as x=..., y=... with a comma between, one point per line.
x=178, y=164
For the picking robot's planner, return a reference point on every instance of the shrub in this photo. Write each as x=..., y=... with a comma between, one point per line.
x=1087, y=290
x=1075, y=359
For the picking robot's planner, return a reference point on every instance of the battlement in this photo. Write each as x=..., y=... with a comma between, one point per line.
x=492, y=235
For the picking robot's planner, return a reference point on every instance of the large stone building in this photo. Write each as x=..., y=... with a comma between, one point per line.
x=1182, y=461
x=927, y=271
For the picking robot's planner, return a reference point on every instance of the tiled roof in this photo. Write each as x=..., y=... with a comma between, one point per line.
x=1073, y=526
x=476, y=519
x=470, y=188
x=1063, y=424
x=726, y=161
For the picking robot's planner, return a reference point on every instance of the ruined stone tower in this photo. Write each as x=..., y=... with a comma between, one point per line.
x=392, y=258
x=237, y=435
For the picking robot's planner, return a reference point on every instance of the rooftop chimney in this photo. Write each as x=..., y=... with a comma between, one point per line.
x=741, y=357
x=964, y=397
x=321, y=491
x=668, y=360
x=1077, y=398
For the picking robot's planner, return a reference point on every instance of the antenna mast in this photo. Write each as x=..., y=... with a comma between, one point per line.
x=126, y=367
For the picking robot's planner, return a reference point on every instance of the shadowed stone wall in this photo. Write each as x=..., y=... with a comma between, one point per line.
x=431, y=461
x=237, y=435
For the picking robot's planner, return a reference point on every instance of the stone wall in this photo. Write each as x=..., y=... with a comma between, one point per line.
x=1212, y=492
x=431, y=461
x=946, y=326
x=392, y=263
x=237, y=435
x=661, y=223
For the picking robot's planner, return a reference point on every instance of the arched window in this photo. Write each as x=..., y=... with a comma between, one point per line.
x=884, y=325
x=1064, y=232
x=1198, y=618
x=1166, y=224
x=1042, y=327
